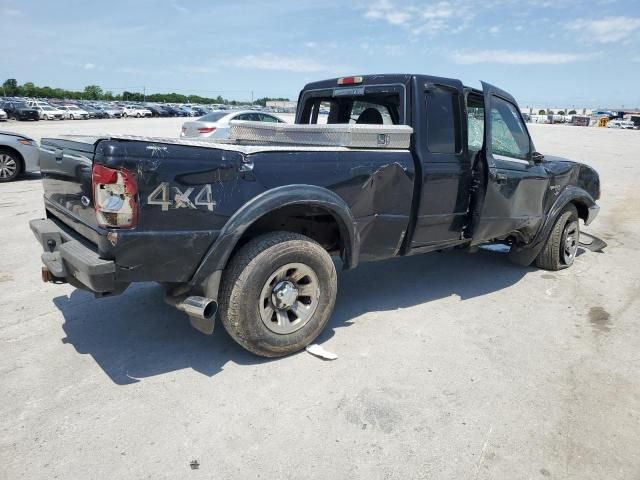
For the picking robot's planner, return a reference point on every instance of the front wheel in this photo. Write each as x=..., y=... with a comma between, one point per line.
x=277, y=293
x=562, y=245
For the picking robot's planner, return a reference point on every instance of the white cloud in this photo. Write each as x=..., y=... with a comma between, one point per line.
x=606, y=30
x=180, y=8
x=268, y=61
x=430, y=19
x=494, y=30
x=516, y=57
x=89, y=66
x=11, y=12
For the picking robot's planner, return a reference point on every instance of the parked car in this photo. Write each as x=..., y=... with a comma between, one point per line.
x=73, y=112
x=247, y=232
x=174, y=112
x=93, y=111
x=47, y=112
x=623, y=124
x=112, y=112
x=157, y=111
x=216, y=124
x=135, y=111
x=3, y=116
x=20, y=110
x=18, y=154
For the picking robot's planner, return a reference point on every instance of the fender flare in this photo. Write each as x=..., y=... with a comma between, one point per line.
x=524, y=255
x=220, y=251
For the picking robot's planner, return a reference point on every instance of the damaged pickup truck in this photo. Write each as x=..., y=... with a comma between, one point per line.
x=245, y=229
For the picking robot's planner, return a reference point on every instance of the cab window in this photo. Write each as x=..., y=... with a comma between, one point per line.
x=443, y=120
x=475, y=122
x=508, y=134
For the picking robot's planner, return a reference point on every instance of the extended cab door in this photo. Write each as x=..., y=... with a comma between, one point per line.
x=442, y=162
x=516, y=181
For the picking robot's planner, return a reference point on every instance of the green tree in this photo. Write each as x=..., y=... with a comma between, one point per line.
x=572, y=112
x=28, y=89
x=10, y=87
x=542, y=112
x=92, y=92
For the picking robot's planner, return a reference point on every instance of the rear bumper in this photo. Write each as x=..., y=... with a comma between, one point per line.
x=68, y=259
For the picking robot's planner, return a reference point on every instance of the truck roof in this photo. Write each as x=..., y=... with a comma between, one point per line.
x=374, y=79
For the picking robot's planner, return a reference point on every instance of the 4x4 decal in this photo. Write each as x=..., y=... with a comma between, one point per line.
x=162, y=196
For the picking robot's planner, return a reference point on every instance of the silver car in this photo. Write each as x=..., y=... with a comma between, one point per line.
x=215, y=125
x=18, y=154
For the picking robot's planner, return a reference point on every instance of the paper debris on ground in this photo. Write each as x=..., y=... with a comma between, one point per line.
x=319, y=351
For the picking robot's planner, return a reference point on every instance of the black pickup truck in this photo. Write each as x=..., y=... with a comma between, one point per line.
x=245, y=230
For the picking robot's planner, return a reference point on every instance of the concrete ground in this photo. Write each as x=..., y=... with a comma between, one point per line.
x=451, y=366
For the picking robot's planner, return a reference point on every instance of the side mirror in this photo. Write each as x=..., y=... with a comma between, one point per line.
x=537, y=158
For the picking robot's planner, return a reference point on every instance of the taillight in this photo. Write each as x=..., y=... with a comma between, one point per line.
x=206, y=129
x=114, y=197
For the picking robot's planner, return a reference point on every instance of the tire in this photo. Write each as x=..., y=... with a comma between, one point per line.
x=559, y=252
x=72, y=117
x=10, y=165
x=277, y=264
x=138, y=115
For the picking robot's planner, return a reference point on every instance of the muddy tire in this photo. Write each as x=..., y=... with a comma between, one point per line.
x=277, y=293
x=560, y=250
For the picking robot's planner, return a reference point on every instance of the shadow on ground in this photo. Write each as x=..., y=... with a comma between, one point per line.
x=136, y=335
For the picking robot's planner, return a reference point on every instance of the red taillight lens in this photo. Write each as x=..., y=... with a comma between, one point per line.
x=114, y=197
x=206, y=129
x=349, y=80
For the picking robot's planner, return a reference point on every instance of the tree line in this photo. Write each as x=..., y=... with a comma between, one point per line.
x=11, y=88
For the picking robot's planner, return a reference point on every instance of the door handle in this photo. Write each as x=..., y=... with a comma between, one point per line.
x=501, y=178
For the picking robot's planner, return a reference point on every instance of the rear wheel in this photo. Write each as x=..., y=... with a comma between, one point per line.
x=277, y=293
x=562, y=245
x=10, y=166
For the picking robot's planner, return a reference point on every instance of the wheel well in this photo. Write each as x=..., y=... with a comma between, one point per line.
x=15, y=152
x=312, y=221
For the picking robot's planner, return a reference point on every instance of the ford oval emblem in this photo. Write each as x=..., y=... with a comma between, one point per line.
x=85, y=201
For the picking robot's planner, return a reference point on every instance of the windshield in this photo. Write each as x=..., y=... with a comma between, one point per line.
x=213, y=116
x=48, y=108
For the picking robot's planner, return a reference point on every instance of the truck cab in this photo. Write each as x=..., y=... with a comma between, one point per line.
x=478, y=176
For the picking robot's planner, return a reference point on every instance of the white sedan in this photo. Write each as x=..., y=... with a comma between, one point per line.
x=215, y=125
x=3, y=115
x=47, y=112
x=73, y=112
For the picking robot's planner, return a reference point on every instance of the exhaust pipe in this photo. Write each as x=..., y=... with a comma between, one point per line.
x=201, y=310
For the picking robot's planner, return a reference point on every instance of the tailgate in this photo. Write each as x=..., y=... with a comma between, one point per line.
x=65, y=165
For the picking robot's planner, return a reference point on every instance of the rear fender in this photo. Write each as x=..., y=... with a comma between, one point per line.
x=218, y=254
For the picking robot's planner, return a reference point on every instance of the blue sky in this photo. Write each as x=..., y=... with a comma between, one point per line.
x=545, y=52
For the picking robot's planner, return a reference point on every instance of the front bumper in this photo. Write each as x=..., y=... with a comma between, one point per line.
x=68, y=259
x=593, y=213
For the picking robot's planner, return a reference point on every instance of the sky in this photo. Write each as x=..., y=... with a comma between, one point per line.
x=547, y=53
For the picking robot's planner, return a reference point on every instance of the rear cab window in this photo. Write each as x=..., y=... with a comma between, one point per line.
x=362, y=104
